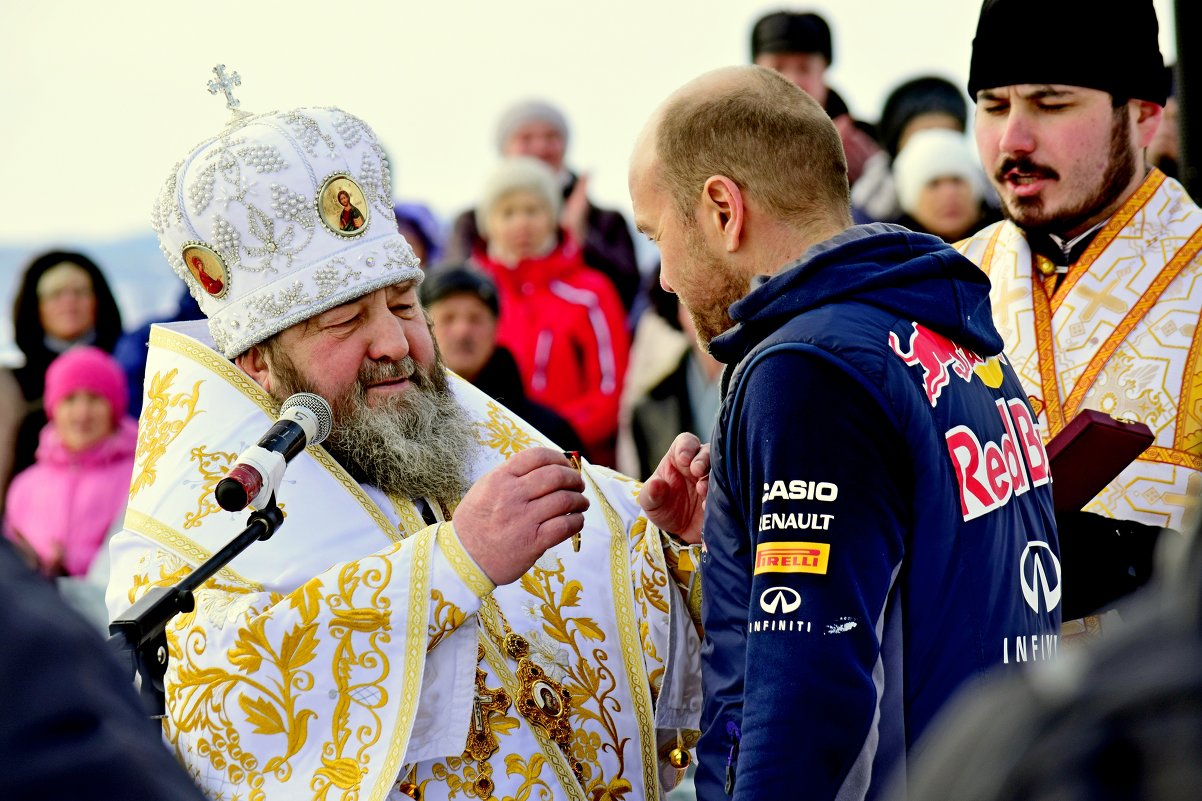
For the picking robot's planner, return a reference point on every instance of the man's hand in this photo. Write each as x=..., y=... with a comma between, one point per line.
x=518, y=510
x=574, y=217
x=674, y=497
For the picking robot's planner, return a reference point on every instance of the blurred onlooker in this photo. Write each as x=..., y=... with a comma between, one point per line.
x=464, y=308
x=941, y=186
x=421, y=230
x=539, y=130
x=60, y=510
x=63, y=300
x=671, y=384
x=916, y=105
x=798, y=46
x=12, y=409
x=131, y=350
x=562, y=320
x=1165, y=148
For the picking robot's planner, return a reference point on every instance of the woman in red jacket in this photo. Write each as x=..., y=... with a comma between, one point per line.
x=562, y=320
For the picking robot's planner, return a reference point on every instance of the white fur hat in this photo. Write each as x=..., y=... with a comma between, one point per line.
x=279, y=217
x=930, y=154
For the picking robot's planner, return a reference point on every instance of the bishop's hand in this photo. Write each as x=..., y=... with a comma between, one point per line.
x=519, y=509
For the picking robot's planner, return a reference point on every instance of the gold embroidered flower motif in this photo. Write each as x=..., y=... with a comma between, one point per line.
x=164, y=418
x=502, y=434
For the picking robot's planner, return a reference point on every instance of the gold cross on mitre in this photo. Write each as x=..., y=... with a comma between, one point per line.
x=225, y=84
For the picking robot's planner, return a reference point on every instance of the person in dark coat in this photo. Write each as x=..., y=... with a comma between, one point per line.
x=72, y=725
x=63, y=300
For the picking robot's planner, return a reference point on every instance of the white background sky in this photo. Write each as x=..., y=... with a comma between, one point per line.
x=100, y=98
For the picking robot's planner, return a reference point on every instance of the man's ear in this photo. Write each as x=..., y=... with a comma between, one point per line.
x=253, y=362
x=722, y=210
x=1148, y=117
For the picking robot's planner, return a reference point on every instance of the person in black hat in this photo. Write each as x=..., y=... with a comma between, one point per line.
x=464, y=308
x=798, y=46
x=915, y=105
x=1095, y=272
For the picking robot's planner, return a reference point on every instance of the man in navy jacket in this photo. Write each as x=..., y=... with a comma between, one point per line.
x=878, y=525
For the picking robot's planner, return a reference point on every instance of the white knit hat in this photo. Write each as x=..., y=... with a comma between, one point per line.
x=254, y=221
x=514, y=174
x=526, y=111
x=935, y=153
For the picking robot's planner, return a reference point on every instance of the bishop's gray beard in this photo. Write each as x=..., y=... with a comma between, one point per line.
x=413, y=445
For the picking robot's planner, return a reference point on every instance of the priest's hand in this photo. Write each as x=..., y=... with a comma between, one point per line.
x=518, y=510
x=674, y=496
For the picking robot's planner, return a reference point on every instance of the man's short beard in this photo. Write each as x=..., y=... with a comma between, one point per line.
x=413, y=445
x=712, y=316
x=1120, y=169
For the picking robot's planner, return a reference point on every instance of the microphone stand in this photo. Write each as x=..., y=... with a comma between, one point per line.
x=139, y=635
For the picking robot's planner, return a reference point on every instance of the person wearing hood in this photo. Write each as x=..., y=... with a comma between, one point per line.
x=877, y=516
x=63, y=300
x=562, y=320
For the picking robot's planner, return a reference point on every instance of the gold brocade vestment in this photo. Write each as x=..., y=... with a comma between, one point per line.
x=1119, y=335
x=341, y=654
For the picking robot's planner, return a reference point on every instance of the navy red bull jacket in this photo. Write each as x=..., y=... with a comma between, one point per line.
x=879, y=527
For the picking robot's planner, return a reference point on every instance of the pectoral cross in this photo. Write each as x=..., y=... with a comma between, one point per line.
x=481, y=742
x=226, y=83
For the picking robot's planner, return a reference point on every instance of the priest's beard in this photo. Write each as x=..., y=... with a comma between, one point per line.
x=412, y=445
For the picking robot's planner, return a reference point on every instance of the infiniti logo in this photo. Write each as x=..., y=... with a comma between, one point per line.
x=1034, y=578
x=780, y=599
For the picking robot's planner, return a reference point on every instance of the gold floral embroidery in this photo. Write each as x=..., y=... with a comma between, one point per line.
x=502, y=433
x=588, y=677
x=213, y=465
x=359, y=673
x=447, y=618
x=269, y=687
x=157, y=430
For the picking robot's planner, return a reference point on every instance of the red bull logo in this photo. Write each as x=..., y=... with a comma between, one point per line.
x=989, y=474
x=935, y=353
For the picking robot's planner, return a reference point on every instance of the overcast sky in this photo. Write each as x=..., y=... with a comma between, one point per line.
x=101, y=98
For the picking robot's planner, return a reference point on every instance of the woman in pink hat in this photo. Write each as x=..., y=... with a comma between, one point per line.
x=60, y=510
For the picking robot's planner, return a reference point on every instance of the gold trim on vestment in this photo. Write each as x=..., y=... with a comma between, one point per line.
x=462, y=563
x=187, y=548
x=1190, y=402
x=1107, y=235
x=1180, y=458
x=629, y=640
x=214, y=362
x=1138, y=309
x=1045, y=342
x=422, y=545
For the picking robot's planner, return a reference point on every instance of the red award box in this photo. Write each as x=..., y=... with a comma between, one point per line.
x=1091, y=450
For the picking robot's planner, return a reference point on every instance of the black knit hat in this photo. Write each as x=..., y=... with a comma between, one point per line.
x=458, y=279
x=790, y=32
x=919, y=96
x=1110, y=45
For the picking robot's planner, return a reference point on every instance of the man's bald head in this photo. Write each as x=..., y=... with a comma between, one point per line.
x=758, y=129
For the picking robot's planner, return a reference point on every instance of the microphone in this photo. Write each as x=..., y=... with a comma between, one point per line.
x=305, y=419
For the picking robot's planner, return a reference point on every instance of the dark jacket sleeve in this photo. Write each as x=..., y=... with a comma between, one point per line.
x=608, y=247
x=820, y=474
x=72, y=724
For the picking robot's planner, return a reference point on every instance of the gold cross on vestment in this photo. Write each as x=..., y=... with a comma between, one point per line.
x=226, y=83
x=481, y=742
